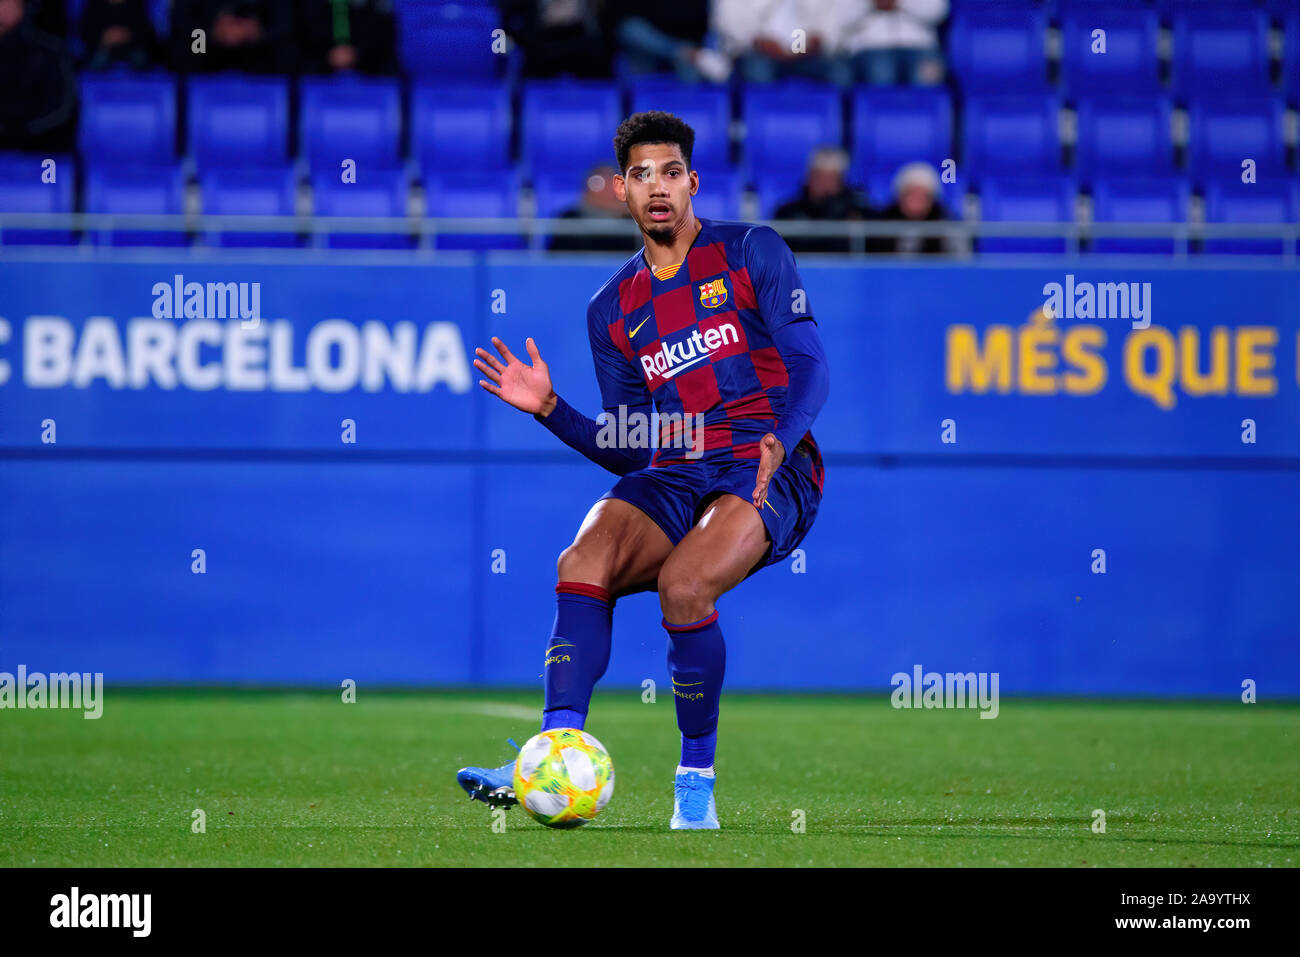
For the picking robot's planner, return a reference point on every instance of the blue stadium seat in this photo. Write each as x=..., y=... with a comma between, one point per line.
x=127, y=118
x=238, y=121
x=471, y=194
x=996, y=50
x=892, y=127
x=1170, y=8
x=240, y=192
x=1280, y=8
x=719, y=195
x=448, y=40
x=1017, y=199
x=568, y=125
x=1225, y=132
x=153, y=190
x=1012, y=134
x=784, y=124
x=1144, y=200
x=1124, y=136
x=557, y=190
x=706, y=108
x=1220, y=53
x=357, y=118
x=1274, y=201
x=774, y=192
x=22, y=191
x=1131, y=63
x=376, y=193
x=461, y=126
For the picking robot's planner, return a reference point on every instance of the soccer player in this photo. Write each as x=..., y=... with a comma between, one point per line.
x=708, y=323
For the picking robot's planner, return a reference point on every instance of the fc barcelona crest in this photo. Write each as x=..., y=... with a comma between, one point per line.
x=713, y=294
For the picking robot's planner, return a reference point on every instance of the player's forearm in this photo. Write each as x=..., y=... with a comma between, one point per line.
x=805, y=361
x=581, y=433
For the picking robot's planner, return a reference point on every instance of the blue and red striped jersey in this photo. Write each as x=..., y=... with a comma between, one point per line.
x=698, y=339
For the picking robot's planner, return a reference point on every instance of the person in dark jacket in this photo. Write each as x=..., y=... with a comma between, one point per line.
x=117, y=32
x=256, y=36
x=348, y=35
x=916, y=200
x=37, y=88
x=49, y=16
x=558, y=36
x=826, y=195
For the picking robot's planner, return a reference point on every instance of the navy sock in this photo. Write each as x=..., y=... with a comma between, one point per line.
x=697, y=661
x=577, y=652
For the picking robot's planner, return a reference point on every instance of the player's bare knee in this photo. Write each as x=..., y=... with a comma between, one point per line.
x=684, y=597
x=586, y=562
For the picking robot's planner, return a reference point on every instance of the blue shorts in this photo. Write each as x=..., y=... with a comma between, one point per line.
x=677, y=494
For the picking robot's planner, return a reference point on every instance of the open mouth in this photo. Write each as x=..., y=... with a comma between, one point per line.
x=659, y=212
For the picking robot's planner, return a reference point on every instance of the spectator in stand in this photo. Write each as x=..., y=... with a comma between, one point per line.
x=255, y=36
x=118, y=32
x=916, y=200
x=892, y=42
x=49, y=16
x=666, y=36
x=778, y=39
x=558, y=36
x=826, y=196
x=598, y=203
x=349, y=35
x=37, y=86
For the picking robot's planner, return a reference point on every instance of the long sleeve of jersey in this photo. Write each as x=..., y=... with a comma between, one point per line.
x=783, y=301
x=620, y=386
x=579, y=432
x=805, y=361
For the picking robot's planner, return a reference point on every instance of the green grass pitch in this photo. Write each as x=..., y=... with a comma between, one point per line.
x=292, y=779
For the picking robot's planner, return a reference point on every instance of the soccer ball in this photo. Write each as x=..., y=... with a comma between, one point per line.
x=563, y=777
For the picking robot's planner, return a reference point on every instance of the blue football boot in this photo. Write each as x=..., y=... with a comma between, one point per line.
x=693, y=807
x=494, y=786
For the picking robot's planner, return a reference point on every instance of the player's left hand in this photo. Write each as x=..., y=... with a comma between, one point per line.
x=771, y=455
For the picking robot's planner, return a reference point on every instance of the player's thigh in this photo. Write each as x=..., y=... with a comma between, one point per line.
x=717, y=553
x=618, y=547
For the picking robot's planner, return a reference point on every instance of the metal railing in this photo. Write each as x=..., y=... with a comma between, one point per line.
x=959, y=234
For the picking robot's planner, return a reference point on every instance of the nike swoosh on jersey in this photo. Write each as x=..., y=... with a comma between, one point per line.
x=638, y=328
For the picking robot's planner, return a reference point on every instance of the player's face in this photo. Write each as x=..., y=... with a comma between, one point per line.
x=657, y=187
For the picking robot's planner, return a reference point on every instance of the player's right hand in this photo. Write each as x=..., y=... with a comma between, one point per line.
x=526, y=387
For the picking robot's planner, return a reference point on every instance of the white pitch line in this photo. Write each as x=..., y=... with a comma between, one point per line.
x=498, y=709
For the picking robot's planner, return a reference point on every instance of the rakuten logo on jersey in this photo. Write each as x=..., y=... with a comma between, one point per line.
x=670, y=358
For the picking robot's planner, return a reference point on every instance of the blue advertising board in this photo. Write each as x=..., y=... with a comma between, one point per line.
x=313, y=430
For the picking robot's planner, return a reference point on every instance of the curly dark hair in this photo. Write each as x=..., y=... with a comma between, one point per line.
x=652, y=126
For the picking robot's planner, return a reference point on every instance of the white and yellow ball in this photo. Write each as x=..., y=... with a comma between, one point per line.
x=563, y=777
